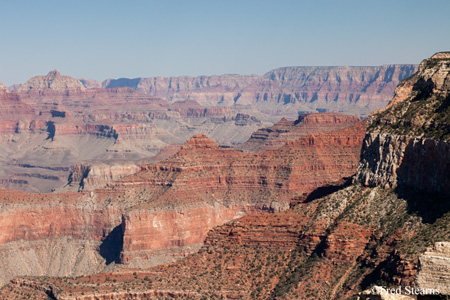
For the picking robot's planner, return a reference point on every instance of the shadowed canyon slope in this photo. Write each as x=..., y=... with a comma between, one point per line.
x=336, y=241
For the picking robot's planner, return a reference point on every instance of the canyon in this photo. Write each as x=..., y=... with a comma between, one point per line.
x=321, y=207
x=332, y=242
x=164, y=212
x=62, y=122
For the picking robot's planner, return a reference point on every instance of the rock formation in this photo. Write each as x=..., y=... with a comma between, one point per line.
x=61, y=129
x=164, y=211
x=355, y=90
x=434, y=271
x=277, y=135
x=53, y=81
x=64, y=121
x=335, y=240
x=408, y=141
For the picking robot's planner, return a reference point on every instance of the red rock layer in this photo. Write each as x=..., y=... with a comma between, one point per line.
x=227, y=184
x=166, y=210
x=275, y=136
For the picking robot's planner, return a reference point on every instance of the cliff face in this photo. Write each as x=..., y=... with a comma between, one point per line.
x=343, y=89
x=56, y=235
x=224, y=184
x=434, y=270
x=407, y=143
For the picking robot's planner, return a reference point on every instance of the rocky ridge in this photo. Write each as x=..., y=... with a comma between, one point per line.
x=63, y=125
x=63, y=120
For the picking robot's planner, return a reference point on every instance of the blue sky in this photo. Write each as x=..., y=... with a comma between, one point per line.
x=111, y=39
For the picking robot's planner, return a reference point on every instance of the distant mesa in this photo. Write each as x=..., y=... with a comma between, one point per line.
x=52, y=81
x=3, y=86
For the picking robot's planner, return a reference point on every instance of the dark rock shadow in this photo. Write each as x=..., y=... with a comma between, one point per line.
x=423, y=179
x=51, y=130
x=429, y=206
x=328, y=189
x=112, y=245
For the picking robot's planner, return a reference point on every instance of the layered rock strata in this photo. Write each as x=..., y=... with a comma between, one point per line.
x=335, y=241
x=52, y=120
x=277, y=135
x=434, y=271
x=163, y=212
x=76, y=120
x=343, y=89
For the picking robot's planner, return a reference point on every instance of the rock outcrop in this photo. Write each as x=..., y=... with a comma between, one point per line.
x=408, y=142
x=53, y=81
x=277, y=135
x=434, y=270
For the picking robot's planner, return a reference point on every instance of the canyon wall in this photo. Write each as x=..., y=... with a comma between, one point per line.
x=355, y=90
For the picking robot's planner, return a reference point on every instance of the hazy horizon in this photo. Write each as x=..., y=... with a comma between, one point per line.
x=112, y=39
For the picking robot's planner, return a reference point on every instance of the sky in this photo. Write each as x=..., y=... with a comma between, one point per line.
x=112, y=39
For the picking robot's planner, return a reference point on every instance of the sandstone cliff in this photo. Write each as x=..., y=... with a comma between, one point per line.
x=434, y=272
